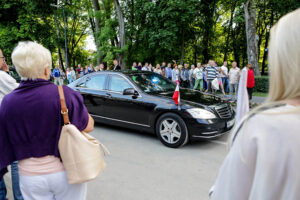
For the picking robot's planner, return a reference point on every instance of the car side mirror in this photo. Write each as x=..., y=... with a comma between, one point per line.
x=130, y=91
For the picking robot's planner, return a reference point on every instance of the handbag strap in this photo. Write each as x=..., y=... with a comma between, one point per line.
x=64, y=109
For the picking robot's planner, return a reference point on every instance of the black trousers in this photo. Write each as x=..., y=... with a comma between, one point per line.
x=250, y=91
x=186, y=84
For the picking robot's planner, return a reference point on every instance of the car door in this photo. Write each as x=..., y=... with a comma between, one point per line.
x=93, y=90
x=125, y=108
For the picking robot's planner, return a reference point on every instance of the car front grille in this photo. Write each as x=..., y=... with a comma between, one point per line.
x=224, y=111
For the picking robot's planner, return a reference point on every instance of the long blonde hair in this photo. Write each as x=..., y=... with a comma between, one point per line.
x=284, y=65
x=284, y=61
x=284, y=58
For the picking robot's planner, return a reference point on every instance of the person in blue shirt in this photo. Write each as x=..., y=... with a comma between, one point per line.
x=56, y=74
x=90, y=68
x=168, y=71
x=86, y=70
x=69, y=76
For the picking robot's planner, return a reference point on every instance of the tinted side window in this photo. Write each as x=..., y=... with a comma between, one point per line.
x=96, y=82
x=118, y=84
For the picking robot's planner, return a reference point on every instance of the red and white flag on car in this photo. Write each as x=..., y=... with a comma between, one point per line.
x=176, y=96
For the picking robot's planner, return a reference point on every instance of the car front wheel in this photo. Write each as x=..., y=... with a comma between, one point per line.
x=172, y=130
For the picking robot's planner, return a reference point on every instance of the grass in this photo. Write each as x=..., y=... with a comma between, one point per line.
x=260, y=94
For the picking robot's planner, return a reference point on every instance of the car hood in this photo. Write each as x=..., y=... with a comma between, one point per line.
x=193, y=98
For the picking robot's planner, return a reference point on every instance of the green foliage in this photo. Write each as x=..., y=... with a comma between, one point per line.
x=156, y=30
x=261, y=84
x=23, y=20
x=260, y=94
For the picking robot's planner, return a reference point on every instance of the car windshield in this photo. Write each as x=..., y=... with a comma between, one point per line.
x=153, y=83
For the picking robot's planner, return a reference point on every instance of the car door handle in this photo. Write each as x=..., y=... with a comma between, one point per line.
x=108, y=96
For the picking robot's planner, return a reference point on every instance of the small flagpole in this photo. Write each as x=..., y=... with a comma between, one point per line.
x=179, y=108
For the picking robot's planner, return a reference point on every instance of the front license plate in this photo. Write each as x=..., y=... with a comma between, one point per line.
x=230, y=123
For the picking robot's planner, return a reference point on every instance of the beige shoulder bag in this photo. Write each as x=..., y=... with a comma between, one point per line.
x=81, y=154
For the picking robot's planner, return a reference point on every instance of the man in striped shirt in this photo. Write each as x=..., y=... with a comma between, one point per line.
x=210, y=73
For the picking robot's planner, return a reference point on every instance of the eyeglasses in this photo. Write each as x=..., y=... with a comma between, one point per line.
x=3, y=58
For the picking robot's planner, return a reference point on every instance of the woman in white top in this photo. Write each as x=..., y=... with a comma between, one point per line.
x=158, y=69
x=264, y=160
x=198, y=72
x=73, y=74
x=175, y=74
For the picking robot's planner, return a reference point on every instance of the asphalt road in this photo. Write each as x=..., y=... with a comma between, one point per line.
x=141, y=168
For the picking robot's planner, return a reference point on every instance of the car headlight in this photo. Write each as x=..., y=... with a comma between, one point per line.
x=199, y=113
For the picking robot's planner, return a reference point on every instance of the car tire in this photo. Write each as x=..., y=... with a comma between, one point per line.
x=172, y=130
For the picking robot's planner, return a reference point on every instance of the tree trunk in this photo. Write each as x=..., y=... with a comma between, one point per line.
x=121, y=32
x=266, y=44
x=265, y=53
x=61, y=62
x=260, y=32
x=97, y=33
x=205, y=43
x=195, y=54
x=182, y=47
x=229, y=31
x=107, y=15
x=235, y=45
x=131, y=32
x=250, y=17
x=208, y=13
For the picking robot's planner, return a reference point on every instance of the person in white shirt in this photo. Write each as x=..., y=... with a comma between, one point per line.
x=158, y=69
x=69, y=76
x=234, y=77
x=101, y=67
x=73, y=74
x=192, y=76
x=225, y=76
x=264, y=158
x=7, y=85
x=146, y=67
x=198, y=73
x=175, y=74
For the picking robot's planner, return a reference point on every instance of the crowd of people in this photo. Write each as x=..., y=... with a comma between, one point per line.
x=207, y=77
x=71, y=74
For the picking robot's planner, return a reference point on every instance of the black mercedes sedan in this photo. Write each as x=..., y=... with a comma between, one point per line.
x=143, y=101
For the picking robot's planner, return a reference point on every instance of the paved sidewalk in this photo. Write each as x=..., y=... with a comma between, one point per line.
x=258, y=99
x=255, y=99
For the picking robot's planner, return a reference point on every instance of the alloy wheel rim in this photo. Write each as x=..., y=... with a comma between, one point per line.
x=170, y=131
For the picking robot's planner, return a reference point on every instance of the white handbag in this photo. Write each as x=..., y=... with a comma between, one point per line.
x=81, y=154
x=215, y=84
